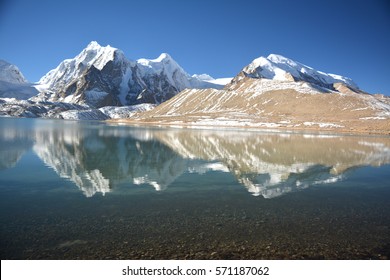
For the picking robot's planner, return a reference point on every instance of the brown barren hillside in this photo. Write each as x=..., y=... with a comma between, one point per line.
x=251, y=104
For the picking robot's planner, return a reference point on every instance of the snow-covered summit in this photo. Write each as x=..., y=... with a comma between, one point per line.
x=280, y=68
x=93, y=55
x=165, y=65
x=98, y=56
x=164, y=57
x=10, y=73
x=13, y=84
x=102, y=76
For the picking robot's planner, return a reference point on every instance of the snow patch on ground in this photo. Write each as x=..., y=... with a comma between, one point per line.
x=92, y=114
x=373, y=118
x=322, y=125
x=263, y=85
x=125, y=111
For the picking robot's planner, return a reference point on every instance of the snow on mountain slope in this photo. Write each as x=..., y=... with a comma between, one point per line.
x=280, y=68
x=92, y=55
x=10, y=73
x=18, y=91
x=103, y=76
x=13, y=84
x=164, y=64
x=93, y=78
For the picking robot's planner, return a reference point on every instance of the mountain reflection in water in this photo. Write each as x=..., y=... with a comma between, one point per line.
x=98, y=157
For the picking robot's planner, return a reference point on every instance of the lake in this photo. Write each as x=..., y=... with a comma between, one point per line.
x=89, y=190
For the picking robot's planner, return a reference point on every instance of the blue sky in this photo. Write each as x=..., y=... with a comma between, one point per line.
x=350, y=38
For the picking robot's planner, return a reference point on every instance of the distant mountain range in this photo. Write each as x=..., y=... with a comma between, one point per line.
x=275, y=91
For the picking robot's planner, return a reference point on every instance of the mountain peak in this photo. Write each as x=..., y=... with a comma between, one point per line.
x=101, y=76
x=11, y=73
x=286, y=63
x=277, y=58
x=93, y=45
x=97, y=55
x=162, y=57
x=280, y=68
x=93, y=55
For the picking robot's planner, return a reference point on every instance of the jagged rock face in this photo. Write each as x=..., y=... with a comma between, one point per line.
x=102, y=76
x=96, y=87
x=92, y=78
x=150, y=95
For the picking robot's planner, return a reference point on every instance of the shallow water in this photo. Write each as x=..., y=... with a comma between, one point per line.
x=87, y=190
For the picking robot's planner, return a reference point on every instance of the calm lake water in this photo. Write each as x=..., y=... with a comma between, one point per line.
x=87, y=190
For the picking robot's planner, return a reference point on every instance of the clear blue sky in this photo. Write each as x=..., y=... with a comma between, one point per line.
x=350, y=38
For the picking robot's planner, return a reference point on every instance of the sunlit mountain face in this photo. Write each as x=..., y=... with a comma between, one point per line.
x=98, y=158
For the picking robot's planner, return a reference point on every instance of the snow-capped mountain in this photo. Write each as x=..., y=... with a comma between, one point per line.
x=103, y=76
x=279, y=68
x=13, y=84
x=278, y=92
x=10, y=73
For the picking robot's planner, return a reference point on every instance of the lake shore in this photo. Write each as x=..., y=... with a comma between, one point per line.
x=355, y=127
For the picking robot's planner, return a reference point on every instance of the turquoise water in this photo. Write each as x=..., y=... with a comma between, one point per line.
x=88, y=190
